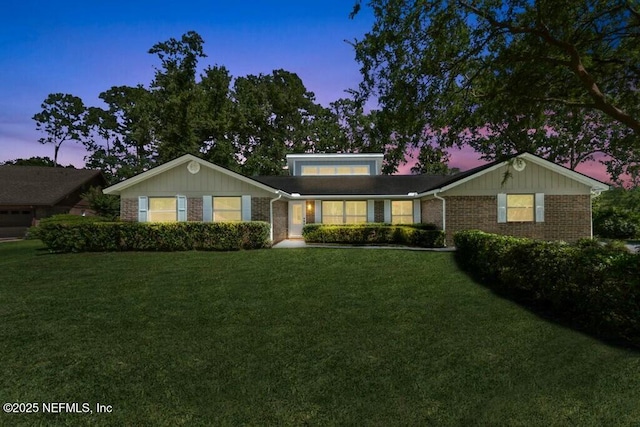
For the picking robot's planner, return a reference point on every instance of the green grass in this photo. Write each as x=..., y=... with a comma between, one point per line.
x=292, y=337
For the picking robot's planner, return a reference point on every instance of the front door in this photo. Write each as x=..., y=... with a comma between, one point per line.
x=296, y=218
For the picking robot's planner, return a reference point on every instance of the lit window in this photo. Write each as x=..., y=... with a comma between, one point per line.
x=359, y=170
x=402, y=212
x=355, y=212
x=227, y=209
x=334, y=170
x=520, y=207
x=332, y=212
x=344, y=212
x=163, y=209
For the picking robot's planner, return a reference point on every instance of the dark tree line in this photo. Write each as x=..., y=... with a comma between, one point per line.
x=247, y=124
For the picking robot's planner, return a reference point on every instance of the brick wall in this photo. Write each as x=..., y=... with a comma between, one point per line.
x=310, y=216
x=194, y=209
x=378, y=211
x=128, y=209
x=431, y=212
x=565, y=218
x=260, y=207
x=280, y=220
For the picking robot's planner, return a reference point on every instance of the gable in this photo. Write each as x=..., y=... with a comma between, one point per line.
x=178, y=180
x=535, y=178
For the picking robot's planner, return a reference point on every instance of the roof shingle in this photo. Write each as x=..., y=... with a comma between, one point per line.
x=39, y=185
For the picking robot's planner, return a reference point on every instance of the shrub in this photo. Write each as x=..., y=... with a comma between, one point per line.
x=131, y=236
x=422, y=235
x=105, y=205
x=597, y=286
x=615, y=223
x=71, y=219
x=68, y=219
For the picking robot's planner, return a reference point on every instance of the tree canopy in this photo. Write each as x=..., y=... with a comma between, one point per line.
x=510, y=75
x=62, y=119
x=247, y=123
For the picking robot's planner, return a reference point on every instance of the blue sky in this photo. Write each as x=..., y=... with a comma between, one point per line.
x=86, y=47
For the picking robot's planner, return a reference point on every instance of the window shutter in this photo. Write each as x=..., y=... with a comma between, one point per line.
x=387, y=211
x=207, y=208
x=182, y=208
x=539, y=207
x=318, y=211
x=502, y=207
x=417, y=213
x=246, y=208
x=371, y=211
x=143, y=207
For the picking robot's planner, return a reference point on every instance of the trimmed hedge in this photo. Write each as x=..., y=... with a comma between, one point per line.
x=68, y=219
x=595, y=286
x=422, y=235
x=132, y=236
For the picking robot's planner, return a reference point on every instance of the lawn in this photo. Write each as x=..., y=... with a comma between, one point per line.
x=291, y=337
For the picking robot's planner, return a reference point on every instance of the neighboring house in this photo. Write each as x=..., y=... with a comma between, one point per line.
x=30, y=193
x=524, y=195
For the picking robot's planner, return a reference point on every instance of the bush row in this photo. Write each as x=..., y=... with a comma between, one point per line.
x=613, y=223
x=595, y=286
x=422, y=235
x=131, y=236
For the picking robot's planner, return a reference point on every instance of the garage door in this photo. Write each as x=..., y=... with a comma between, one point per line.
x=15, y=218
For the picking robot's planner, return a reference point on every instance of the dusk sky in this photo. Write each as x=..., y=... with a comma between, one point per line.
x=84, y=48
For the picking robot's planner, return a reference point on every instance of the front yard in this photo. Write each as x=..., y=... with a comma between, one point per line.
x=299, y=336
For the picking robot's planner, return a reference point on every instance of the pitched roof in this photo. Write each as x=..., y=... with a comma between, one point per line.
x=40, y=185
x=376, y=185
x=404, y=184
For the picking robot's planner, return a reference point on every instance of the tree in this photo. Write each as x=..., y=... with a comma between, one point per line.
x=62, y=119
x=214, y=121
x=433, y=161
x=35, y=161
x=500, y=74
x=124, y=144
x=176, y=96
x=274, y=115
x=104, y=205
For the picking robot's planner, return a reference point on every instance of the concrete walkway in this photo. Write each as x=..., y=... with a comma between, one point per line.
x=299, y=243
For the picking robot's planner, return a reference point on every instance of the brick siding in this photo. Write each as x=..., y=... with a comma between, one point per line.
x=565, y=217
x=260, y=207
x=194, y=209
x=280, y=220
x=378, y=211
x=129, y=209
x=431, y=212
x=310, y=207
